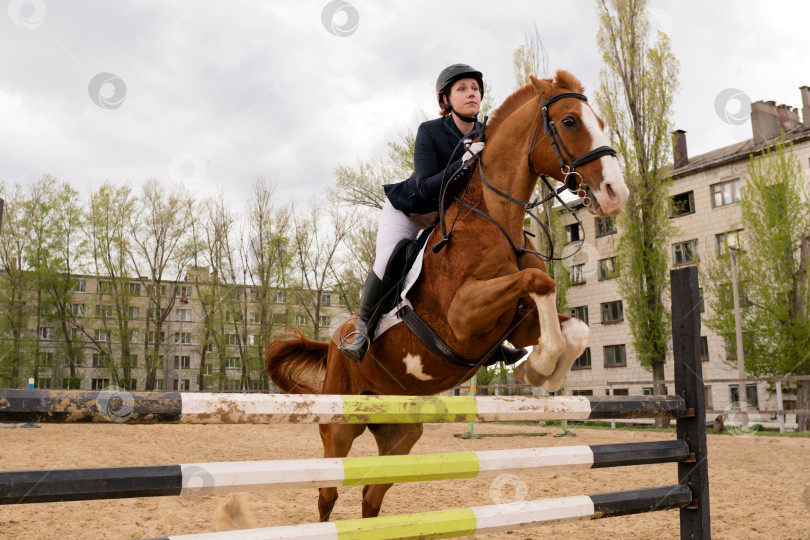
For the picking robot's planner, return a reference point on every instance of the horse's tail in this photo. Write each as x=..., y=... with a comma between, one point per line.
x=297, y=364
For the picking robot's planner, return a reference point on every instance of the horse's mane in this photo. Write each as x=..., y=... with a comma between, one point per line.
x=563, y=80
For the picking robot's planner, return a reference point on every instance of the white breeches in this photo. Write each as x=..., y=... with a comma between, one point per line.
x=395, y=226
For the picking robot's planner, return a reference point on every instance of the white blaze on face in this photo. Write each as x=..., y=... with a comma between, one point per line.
x=413, y=366
x=611, y=173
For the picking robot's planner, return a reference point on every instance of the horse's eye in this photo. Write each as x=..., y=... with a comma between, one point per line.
x=569, y=121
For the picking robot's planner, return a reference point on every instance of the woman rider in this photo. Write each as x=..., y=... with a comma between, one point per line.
x=413, y=205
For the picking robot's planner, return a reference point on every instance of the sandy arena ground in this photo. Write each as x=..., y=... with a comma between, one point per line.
x=760, y=486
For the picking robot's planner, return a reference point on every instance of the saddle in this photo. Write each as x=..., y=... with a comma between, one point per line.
x=396, y=271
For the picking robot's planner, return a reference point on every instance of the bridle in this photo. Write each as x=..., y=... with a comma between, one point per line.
x=572, y=181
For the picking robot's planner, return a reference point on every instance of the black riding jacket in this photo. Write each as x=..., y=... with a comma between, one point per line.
x=434, y=148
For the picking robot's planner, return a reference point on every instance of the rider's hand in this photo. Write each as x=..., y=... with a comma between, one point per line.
x=474, y=149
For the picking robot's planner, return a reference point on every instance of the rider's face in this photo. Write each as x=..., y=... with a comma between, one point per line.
x=465, y=97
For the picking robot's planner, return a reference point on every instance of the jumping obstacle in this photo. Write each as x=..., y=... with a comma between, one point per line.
x=200, y=408
x=195, y=479
x=690, y=495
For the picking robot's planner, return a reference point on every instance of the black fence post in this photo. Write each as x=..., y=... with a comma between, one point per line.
x=694, y=472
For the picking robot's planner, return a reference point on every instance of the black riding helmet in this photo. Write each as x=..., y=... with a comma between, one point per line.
x=453, y=73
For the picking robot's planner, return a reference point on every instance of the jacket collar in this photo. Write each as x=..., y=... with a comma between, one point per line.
x=452, y=129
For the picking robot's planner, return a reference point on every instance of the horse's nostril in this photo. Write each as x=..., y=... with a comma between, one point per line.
x=610, y=192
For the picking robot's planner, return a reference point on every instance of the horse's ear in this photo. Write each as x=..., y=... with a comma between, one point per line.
x=541, y=86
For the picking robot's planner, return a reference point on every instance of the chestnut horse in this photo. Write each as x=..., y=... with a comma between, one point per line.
x=469, y=291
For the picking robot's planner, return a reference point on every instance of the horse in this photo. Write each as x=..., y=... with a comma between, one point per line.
x=470, y=290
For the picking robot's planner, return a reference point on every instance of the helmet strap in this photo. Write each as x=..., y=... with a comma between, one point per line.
x=470, y=119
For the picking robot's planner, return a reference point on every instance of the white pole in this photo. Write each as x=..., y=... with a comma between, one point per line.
x=780, y=407
x=613, y=420
x=738, y=327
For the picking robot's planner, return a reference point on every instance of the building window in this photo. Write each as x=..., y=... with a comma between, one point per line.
x=618, y=392
x=324, y=321
x=726, y=193
x=254, y=317
x=607, y=268
x=326, y=299
x=752, y=395
x=101, y=360
x=104, y=311
x=153, y=336
x=726, y=240
x=78, y=285
x=133, y=312
x=100, y=384
x=581, y=392
x=300, y=320
x=182, y=337
x=232, y=339
x=579, y=312
x=105, y=287
x=209, y=347
x=76, y=309
x=685, y=252
x=46, y=359
x=646, y=391
x=233, y=363
x=233, y=384
x=43, y=383
x=182, y=385
x=577, y=274
x=704, y=348
x=182, y=291
x=572, y=233
x=233, y=316
x=46, y=332
x=132, y=360
x=158, y=384
x=128, y=384
x=605, y=226
x=682, y=204
x=615, y=356
x=101, y=335
x=182, y=362
x=612, y=312
x=133, y=336
x=707, y=396
x=281, y=297
x=583, y=361
x=182, y=315
x=135, y=289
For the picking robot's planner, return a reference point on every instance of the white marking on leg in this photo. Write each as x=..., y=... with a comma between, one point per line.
x=575, y=333
x=413, y=366
x=551, y=344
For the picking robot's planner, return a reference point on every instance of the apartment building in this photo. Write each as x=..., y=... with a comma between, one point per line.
x=180, y=341
x=705, y=191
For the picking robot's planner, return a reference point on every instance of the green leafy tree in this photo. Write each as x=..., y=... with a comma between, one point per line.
x=773, y=273
x=635, y=96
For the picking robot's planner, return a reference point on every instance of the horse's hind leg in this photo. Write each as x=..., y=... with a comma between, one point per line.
x=392, y=439
x=337, y=441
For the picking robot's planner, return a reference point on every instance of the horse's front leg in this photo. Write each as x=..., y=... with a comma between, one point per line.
x=479, y=304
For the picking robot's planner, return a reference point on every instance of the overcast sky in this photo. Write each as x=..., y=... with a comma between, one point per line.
x=214, y=94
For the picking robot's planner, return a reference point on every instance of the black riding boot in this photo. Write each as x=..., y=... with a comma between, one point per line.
x=369, y=299
x=510, y=355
